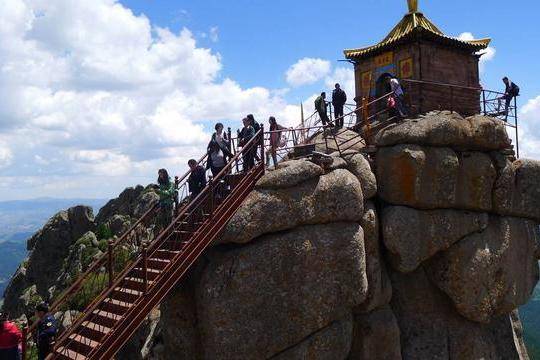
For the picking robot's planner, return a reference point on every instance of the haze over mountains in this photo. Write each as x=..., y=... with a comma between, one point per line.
x=19, y=219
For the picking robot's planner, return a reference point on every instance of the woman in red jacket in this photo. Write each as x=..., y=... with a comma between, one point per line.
x=10, y=338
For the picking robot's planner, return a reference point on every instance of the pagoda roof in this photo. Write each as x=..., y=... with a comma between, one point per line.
x=412, y=23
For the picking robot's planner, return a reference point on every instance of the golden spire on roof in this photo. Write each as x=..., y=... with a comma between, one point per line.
x=413, y=6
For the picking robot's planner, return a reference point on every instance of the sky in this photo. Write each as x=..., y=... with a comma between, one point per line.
x=97, y=95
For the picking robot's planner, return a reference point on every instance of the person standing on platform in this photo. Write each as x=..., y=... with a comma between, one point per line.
x=398, y=94
x=321, y=107
x=275, y=140
x=510, y=92
x=247, y=133
x=339, y=98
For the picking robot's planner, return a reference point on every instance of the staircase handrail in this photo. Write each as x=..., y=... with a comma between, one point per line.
x=152, y=247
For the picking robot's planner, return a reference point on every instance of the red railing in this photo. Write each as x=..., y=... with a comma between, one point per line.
x=197, y=224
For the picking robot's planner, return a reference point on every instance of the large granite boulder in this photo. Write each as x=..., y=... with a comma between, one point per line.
x=334, y=140
x=268, y=296
x=330, y=343
x=376, y=336
x=379, y=287
x=517, y=191
x=124, y=204
x=430, y=327
x=432, y=177
x=492, y=272
x=412, y=236
x=445, y=128
x=359, y=166
x=288, y=174
x=50, y=245
x=336, y=196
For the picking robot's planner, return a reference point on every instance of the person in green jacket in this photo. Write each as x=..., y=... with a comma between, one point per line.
x=166, y=194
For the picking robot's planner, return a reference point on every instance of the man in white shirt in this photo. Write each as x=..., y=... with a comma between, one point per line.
x=398, y=94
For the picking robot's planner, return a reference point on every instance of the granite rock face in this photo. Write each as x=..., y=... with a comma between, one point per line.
x=491, y=272
x=336, y=196
x=434, y=178
x=263, y=298
x=445, y=128
x=412, y=236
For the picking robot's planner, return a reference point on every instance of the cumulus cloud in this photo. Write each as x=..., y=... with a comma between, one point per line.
x=307, y=71
x=529, y=127
x=91, y=91
x=487, y=54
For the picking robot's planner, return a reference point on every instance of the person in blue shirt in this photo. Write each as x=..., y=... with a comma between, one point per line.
x=46, y=331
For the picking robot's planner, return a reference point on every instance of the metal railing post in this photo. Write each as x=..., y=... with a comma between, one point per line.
x=110, y=262
x=211, y=190
x=484, y=101
x=262, y=146
x=516, y=123
x=145, y=267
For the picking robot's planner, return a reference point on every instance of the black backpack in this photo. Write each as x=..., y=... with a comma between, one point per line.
x=515, y=90
x=256, y=127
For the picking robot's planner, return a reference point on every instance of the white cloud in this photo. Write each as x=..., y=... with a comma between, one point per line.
x=307, y=71
x=214, y=34
x=529, y=129
x=487, y=54
x=6, y=155
x=92, y=91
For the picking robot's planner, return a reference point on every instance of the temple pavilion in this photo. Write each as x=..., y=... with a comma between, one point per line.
x=426, y=61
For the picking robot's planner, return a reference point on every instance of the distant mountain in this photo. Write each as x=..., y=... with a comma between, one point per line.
x=12, y=253
x=20, y=219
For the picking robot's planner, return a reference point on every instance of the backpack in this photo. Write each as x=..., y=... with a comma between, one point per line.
x=515, y=89
x=256, y=127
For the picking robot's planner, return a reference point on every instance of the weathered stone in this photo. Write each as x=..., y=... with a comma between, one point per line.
x=517, y=191
x=124, y=204
x=51, y=245
x=337, y=163
x=336, y=196
x=145, y=201
x=360, y=167
x=430, y=327
x=330, y=343
x=344, y=139
x=262, y=298
x=492, y=272
x=288, y=174
x=139, y=345
x=444, y=128
x=430, y=178
x=413, y=236
x=379, y=287
x=119, y=224
x=376, y=336
x=16, y=287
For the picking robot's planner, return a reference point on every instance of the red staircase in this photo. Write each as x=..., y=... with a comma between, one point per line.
x=140, y=269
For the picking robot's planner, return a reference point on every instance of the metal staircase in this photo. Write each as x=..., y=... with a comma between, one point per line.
x=141, y=267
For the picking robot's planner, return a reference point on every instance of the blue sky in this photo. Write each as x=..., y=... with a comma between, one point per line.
x=97, y=95
x=260, y=39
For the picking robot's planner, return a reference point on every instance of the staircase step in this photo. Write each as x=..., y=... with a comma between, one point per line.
x=63, y=353
x=127, y=295
x=135, y=283
x=115, y=306
x=94, y=330
x=157, y=263
x=165, y=254
x=105, y=318
x=151, y=274
x=81, y=344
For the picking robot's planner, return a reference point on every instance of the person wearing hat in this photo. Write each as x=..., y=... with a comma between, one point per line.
x=46, y=331
x=10, y=339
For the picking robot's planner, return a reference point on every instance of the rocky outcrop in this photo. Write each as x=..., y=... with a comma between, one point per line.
x=333, y=197
x=48, y=247
x=445, y=128
x=412, y=236
x=312, y=275
x=492, y=272
x=124, y=204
